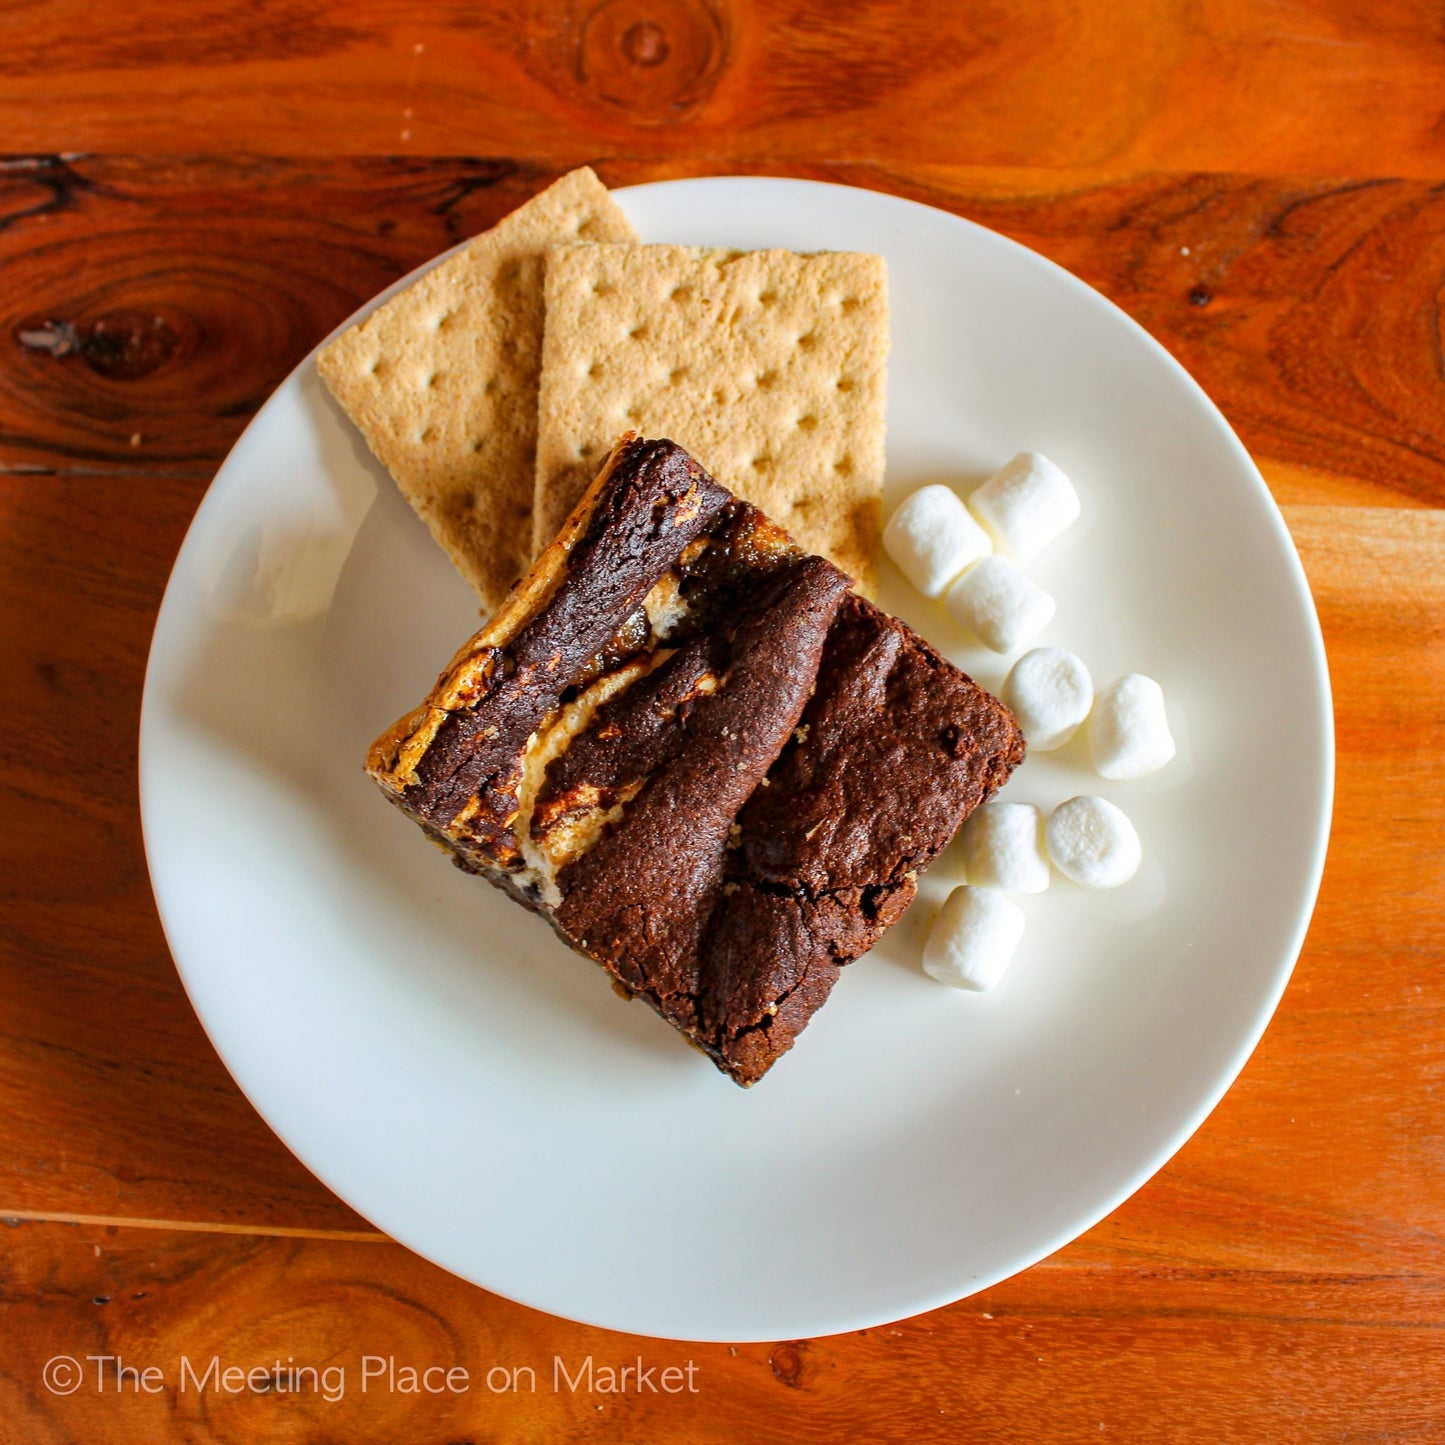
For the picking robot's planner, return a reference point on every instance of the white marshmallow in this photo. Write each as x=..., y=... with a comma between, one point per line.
x=1003, y=848
x=996, y=601
x=1050, y=692
x=1094, y=843
x=1128, y=731
x=1026, y=504
x=932, y=538
x=973, y=938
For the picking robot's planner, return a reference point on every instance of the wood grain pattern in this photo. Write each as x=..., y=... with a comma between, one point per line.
x=1068, y=1353
x=1309, y=311
x=1256, y=181
x=1332, y=88
x=85, y=561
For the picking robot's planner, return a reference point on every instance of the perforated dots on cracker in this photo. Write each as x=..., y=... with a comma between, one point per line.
x=442, y=380
x=769, y=366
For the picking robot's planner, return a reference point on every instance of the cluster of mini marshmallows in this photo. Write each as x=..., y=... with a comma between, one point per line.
x=1052, y=695
x=1010, y=849
x=943, y=546
x=947, y=549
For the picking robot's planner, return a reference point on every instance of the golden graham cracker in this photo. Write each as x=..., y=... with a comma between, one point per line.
x=769, y=366
x=442, y=380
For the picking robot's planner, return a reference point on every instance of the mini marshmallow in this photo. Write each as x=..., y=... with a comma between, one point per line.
x=1003, y=848
x=1026, y=504
x=996, y=601
x=973, y=938
x=1128, y=730
x=1050, y=692
x=932, y=538
x=1093, y=843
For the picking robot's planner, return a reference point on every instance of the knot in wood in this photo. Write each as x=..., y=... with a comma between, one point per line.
x=786, y=1362
x=653, y=62
x=645, y=44
x=128, y=344
x=121, y=345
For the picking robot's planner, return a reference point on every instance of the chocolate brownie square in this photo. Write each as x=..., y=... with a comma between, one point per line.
x=713, y=768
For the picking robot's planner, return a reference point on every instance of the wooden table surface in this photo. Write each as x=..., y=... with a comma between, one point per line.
x=196, y=192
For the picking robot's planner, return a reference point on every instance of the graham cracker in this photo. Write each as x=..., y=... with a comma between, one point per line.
x=442, y=380
x=769, y=366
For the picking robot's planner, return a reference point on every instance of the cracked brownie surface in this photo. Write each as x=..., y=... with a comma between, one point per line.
x=896, y=748
x=714, y=769
x=642, y=899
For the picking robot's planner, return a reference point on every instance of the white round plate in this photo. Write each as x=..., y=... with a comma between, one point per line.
x=444, y=1064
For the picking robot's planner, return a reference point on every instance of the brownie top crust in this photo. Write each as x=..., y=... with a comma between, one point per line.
x=710, y=766
x=640, y=900
x=894, y=750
